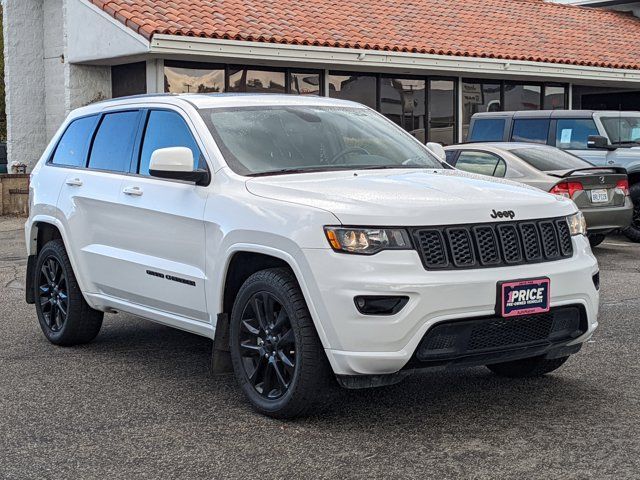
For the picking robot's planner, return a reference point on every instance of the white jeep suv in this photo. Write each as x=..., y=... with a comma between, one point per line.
x=312, y=239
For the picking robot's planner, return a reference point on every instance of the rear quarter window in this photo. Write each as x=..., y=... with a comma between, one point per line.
x=488, y=130
x=71, y=150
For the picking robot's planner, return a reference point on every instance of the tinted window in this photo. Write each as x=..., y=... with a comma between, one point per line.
x=531, y=130
x=477, y=162
x=477, y=98
x=72, y=148
x=167, y=129
x=261, y=81
x=522, y=97
x=573, y=133
x=488, y=130
x=113, y=145
x=403, y=102
x=548, y=159
x=304, y=83
x=442, y=108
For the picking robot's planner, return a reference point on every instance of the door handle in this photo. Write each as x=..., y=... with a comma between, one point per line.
x=74, y=182
x=133, y=191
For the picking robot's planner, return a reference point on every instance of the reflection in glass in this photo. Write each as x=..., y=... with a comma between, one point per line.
x=522, y=97
x=258, y=81
x=478, y=97
x=403, y=101
x=193, y=80
x=304, y=83
x=555, y=97
x=442, y=106
x=358, y=88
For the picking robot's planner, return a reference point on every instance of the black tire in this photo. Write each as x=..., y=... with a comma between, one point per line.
x=65, y=317
x=633, y=231
x=528, y=367
x=276, y=389
x=596, y=239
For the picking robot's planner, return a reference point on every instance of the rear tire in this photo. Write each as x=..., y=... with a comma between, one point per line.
x=596, y=239
x=528, y=367
x=65, y=317
x=277, y=356
x=633, y=231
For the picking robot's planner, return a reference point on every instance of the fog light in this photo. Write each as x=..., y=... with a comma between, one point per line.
x=380, y=305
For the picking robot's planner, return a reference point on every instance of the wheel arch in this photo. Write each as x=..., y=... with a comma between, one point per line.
x=261, y=257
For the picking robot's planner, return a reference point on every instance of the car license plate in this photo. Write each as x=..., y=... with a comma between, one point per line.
x=524, y=297
x=599, y=196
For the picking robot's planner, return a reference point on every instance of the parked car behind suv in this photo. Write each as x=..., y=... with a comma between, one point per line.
x=602, y=138
x=602, y=194
x=312, y=239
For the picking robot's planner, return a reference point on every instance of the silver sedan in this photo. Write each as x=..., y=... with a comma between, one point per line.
x=601, y=193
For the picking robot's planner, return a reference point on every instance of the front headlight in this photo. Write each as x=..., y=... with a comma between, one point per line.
x=577, y=224
x=367, y=241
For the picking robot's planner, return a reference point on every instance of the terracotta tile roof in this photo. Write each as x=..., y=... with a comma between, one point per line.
x=531, y=30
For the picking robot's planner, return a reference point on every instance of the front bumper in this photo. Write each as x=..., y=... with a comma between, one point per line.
x=605, y=219
x=358, y=344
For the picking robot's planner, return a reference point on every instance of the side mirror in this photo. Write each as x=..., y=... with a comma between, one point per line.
x=598, y=141
x=177, y=163
x=437, y=150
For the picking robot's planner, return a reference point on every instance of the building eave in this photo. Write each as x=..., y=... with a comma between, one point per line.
x=217, y=50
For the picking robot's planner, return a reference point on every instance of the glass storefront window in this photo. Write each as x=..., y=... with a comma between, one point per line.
x=355, y=87
x=442, y=107
x=256, y=81
x=304, y=83
x=555, y=97
x=403, y=101
x=478, y=97
x=193, y=80
x=521, y=97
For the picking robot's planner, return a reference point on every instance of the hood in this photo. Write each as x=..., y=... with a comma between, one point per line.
x=410, y=198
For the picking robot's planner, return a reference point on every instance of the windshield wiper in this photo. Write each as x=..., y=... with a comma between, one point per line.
x=288, y=171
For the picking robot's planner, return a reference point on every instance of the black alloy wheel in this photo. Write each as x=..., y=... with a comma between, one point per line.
x=267, y=345
x=53, y=294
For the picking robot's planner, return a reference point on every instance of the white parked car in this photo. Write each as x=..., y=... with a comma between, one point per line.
x=311, y=238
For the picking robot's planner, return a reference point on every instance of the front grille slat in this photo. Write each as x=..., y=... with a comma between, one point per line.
x=493, y=244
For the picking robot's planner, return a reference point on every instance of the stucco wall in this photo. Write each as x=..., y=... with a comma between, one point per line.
x=24, y=79
x=42, y=86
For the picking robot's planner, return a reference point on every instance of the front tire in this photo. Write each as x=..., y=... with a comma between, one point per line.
x=596, y=239
x=277, y=356
x=528, y=367
x=633, y=231
x=65, y=317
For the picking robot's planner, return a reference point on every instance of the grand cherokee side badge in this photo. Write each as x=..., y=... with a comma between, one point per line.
x=504, y=214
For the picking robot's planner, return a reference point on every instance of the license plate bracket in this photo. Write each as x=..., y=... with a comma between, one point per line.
x=523, y=297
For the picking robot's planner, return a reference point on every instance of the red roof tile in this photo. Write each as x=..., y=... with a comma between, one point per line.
x=531, y=30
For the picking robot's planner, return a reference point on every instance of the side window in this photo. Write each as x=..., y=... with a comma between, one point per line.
x=488, y=130
x=113, y=144
x=451, y=155
x=530, y=130
x=167, y=129
x=71, y=150
x=477, y=162
x=572, y=134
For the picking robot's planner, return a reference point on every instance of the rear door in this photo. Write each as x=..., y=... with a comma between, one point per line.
x=162, y=259
x=89, y=200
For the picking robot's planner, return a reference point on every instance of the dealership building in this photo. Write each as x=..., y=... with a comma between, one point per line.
x=426, y=64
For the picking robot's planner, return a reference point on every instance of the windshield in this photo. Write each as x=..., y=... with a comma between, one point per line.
x=293, y=139
x=549, y=159
x=622, y=130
